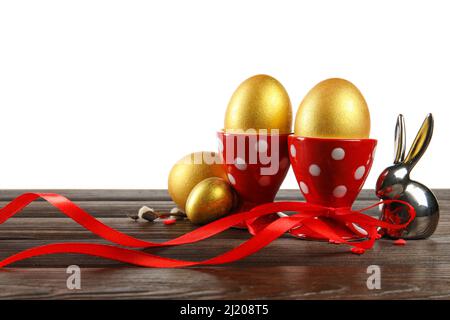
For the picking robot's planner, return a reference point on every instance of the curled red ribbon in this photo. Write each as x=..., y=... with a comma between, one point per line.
x=312, y=218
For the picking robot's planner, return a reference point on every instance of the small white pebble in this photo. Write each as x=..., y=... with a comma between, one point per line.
x=176, y=210
x=143, y=210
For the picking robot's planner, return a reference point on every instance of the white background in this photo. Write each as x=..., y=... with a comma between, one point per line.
x=109, y=94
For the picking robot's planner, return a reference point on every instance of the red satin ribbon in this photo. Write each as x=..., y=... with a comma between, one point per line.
x=308, y=217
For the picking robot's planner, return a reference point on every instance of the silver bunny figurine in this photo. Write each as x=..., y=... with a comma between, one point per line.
x=394, y=183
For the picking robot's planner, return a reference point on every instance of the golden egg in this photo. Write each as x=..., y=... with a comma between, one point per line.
x=260, y=102
x=210, y=200
x=189, y=171
x=334, y=108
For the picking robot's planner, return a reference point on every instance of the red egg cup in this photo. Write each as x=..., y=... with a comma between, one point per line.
x=256, y=165
x=331, y=173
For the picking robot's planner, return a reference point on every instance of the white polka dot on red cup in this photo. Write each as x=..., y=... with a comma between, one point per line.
x=359, y=173
x=314, y=170
x=373, y=152
x=261, y=146
x=304, y=187
x=339, y=191
x=338, y=154
x=293, y=151
x=231, y=178
x=240, y=164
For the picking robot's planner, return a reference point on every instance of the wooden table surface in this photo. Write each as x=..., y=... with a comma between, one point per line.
x=286, y=269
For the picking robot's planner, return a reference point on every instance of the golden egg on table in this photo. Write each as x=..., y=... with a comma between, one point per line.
x=189, y=171
x=210, y=200
x=260, y=102
x=334, y=108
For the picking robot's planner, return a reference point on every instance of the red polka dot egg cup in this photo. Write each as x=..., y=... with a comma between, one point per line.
x=256, y=165
x=331, y=173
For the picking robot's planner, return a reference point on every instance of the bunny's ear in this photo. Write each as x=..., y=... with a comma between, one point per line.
x=400, y=136
x=421, y=142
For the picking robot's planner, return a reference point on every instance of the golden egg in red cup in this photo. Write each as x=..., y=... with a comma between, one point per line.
x=330, y=151
x=254, y=144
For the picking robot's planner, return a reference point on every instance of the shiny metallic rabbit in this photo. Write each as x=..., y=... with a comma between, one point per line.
x=394, y=183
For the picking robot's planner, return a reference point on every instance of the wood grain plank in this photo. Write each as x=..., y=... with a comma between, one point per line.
x=283, y=252
x=117, y=209
x=159, y=194
x=64, y=228
x=286, y=269
x=99, y=209
x=95, y=194
x=255, y=282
